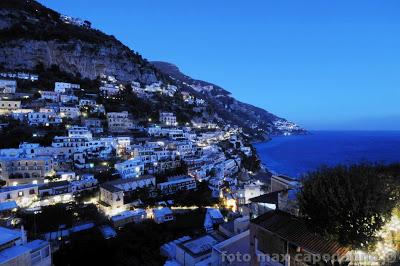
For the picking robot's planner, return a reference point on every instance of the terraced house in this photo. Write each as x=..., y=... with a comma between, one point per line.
x=25, y=170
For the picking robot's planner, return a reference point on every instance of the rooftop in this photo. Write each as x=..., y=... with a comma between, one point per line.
x=215, y=213
x=199, y=246
x=126, y=214
x=108, y=232
x=36, y=244
x=238, y=243
x=162, y=211
x=11, y=253
x=82, y=227
x=9, y=235
x=111, y=185
x=177, y=181
x=294, y=230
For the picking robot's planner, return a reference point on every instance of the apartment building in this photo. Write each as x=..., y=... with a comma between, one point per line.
x=16, y=250
x=8, y=86
x=119, y=121
x=112, y=193
x=25, y=170
x=168, y=119
x=178, y=183
x=130, y=168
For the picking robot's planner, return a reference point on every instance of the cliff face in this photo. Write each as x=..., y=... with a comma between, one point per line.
x=75, y=56
x=31, y=34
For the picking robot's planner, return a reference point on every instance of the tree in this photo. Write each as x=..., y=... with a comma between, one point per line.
x=349, y=203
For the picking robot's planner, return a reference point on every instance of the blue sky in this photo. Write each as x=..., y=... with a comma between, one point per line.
x=322, y=64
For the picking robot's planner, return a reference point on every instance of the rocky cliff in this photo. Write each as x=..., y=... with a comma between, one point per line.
x=33, y=37
x=32, y=34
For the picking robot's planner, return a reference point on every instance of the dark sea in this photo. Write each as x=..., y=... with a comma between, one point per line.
x=297, y=155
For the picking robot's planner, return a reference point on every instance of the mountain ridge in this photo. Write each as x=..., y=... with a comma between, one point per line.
x=221, y=97
x=32, y=35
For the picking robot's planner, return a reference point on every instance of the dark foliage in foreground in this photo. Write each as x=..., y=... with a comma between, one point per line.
x=16, y=133
x=136, y=244
x=350, y=203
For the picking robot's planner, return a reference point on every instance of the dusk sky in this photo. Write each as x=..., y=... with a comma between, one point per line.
x=322, y=64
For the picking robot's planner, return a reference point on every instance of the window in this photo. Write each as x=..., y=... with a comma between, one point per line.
x=20, y=193
x=35, y=257
x=46, y=252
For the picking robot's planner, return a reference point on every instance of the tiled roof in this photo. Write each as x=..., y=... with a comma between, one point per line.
x=294, y=230
x=287, y=178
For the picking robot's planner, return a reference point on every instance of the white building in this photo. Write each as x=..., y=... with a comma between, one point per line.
x=93, y=124
x=125, y=217
x=162, y=215
x=23, y=195
x=63, y=87
x=130, y=168
x=168, y=119
x=75, y=21
x=15, y=250
x=87, y=102
x=9, y=106
x=19, y=75
x=79, y=132
x=69, y=142
x=155, y=87
x=43, y=118
x=50, y=95
x=213, y=217
x=112, y=193
x=111, y=89
x=70, y=112
x=67, y=98
x=176, y=184
x=21, y=114
x=119, y=121
x=197, y=250
x=231, y=246
x=25, y=170
x=247, y=192
x=85, y=182
x=136, y=88
x=8, y=86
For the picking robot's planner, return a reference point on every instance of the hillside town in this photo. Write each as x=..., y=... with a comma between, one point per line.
x=118, y=161
x=104, y=172
x=129, y=172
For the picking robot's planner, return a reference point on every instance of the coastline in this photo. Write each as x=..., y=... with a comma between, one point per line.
x=301, y=154
x=263, y=168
